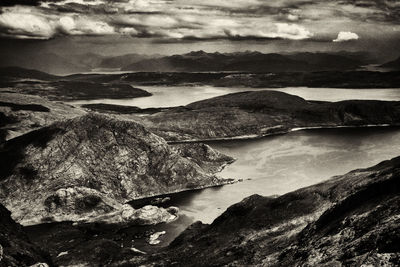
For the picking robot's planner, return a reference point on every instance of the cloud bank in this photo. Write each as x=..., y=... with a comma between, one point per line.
x=199, y=19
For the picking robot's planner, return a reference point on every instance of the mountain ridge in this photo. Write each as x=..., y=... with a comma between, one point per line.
x=249, y=61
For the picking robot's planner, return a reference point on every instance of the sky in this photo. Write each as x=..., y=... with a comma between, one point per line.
x=113, y=27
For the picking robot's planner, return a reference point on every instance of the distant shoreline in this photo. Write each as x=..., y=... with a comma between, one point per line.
x=255, y=136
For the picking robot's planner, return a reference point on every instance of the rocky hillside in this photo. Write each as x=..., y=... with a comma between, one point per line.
x=20, y=113
x=90, y=166
x=259, y=113
x=15, y=248
x=349, y=220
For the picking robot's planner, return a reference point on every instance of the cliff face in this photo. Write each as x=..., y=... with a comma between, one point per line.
x=92, y=165
x=15, y=247
x=348, y=220
x=260, y=113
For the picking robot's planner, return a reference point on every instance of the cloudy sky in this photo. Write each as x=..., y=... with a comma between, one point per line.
x=176, y=26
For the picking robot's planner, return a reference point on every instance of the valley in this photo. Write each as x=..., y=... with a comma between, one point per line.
x=107, y=177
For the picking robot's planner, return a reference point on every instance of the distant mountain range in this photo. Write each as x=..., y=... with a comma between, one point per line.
x=248, y=62
x=195, y=61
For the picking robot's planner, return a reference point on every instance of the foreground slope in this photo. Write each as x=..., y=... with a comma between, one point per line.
x=91, y=165
x=15, y=247
x=349, y=220
x=259, y=113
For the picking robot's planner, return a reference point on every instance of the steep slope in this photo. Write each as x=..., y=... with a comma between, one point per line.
x=90, y=166
x=259, y=113
x=349, y=220
x=395, y=64
x=15, y=247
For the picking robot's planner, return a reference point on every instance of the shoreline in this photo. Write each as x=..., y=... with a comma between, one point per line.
x=296, y=129
x=149, y=197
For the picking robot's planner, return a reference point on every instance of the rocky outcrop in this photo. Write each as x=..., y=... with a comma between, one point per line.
x=147, y=215
x=260, y=113
x=349, y=220
x=209, y=159
x=15, y=247
x=92, y=165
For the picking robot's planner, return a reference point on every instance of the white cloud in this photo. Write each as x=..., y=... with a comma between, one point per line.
x=292, y=31
x=31, y=23
x=277, y=30
x=67, y=24
x=346, y=36
x=23, y=24
x=128, y=31
x=293, y=17
x=87, y=26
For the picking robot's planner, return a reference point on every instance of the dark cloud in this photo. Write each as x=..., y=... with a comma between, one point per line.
x=5, y=3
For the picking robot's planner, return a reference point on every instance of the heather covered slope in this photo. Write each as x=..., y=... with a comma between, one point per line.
x=259, y=113
x=348, y=220
x=91, y=165
x=15, y=247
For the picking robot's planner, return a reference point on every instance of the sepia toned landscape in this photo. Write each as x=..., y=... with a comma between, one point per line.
x=199, y=133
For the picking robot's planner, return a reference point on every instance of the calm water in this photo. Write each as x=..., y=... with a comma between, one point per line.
x=169, y=96
x=280, y=164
